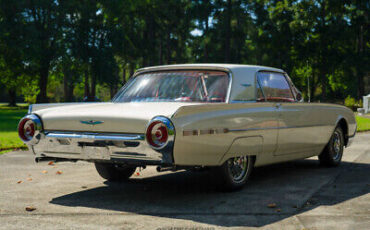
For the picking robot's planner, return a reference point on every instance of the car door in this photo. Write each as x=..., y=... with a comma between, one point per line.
x=255, y=117
x=295, y=134
x=269, y=121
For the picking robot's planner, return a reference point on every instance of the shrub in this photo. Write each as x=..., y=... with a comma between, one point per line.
x=351, y=103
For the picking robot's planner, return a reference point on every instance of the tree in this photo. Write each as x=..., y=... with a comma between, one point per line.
x=90, y=44
x=13, y=63
x=43, y=20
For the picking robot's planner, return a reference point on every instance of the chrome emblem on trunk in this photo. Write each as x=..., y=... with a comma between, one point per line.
x=91, y=122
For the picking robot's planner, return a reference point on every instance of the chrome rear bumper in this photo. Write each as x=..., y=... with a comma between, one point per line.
x=123, y=148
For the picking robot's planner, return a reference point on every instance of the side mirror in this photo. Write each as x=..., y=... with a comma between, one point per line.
x=299, y=97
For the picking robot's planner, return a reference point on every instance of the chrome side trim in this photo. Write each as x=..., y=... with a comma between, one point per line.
x=225, y=130
x=252, y=129
x=96, y=136
x=285, y=127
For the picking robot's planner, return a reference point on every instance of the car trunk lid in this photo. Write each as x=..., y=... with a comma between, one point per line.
x=106, y=117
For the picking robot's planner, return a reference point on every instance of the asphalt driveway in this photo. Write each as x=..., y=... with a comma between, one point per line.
x=72, y=195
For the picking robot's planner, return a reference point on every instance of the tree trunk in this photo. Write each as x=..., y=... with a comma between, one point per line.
x=228, y=31
x=66, y=86
x=239, y=39
x=87, y=87
x=70, y=91
x=43, y=82
x=12, y=97
x=113, y=91
x=205, y=40
x=132, y=70
x=151, y=41
x=168, y=50
x=123, y=76
x=360, y=72
x=93, y=86
x=360, y=80
x=313, y=83
x=161, y=51
x=324, y=84
x=146, y=51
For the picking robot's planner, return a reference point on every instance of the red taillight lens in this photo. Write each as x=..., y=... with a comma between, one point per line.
x=29, y=129
x=26, y=129
x=160, y=133
x=157, y=134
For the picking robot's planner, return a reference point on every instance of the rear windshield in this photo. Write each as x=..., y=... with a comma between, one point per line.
x=182, y=86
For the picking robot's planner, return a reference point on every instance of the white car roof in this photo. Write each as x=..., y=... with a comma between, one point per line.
x=229, y=67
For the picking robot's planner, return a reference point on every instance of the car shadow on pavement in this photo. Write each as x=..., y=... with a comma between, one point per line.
x=289, y=189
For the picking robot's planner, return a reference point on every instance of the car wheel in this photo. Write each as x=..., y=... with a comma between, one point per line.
x=114, y=172
x=234, y=173
x=333, y=151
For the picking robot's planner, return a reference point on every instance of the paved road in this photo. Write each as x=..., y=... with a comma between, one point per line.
x=307, y=196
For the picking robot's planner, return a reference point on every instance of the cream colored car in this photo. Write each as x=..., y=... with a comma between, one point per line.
x=228, y=118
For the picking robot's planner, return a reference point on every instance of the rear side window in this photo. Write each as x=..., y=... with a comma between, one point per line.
x=275, y=87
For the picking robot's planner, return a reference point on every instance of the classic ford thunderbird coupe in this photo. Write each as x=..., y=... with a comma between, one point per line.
x=222, y=117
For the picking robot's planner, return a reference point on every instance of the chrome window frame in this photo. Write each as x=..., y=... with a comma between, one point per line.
x=263, y=93
x=291, y=84
x=285, y=77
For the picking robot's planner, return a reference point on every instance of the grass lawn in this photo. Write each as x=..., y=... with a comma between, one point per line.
x=363, y=123
x=9, y=118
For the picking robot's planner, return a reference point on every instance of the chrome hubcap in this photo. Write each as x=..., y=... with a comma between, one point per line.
x=237, y=167
x=336, y=145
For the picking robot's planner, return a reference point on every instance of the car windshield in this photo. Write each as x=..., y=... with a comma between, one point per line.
x=182, y=86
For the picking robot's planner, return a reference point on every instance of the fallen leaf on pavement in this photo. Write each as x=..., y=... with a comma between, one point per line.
x=44, y=171
x=29, y=179
x=83, y=186
x=51, y=163
x=18, y=182
x=59, y=172
x=30, y=208
x=272, y=205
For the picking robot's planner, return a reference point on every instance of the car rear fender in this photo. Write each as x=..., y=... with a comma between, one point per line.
x=242, y=146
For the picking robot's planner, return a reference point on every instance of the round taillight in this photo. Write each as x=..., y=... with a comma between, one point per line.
x=159, y=131
x=28, y=127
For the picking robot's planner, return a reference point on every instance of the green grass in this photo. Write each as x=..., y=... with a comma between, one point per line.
x=9, y=118
x=363, y=124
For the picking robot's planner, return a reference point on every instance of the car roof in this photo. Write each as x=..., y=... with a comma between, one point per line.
x=227, y=67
